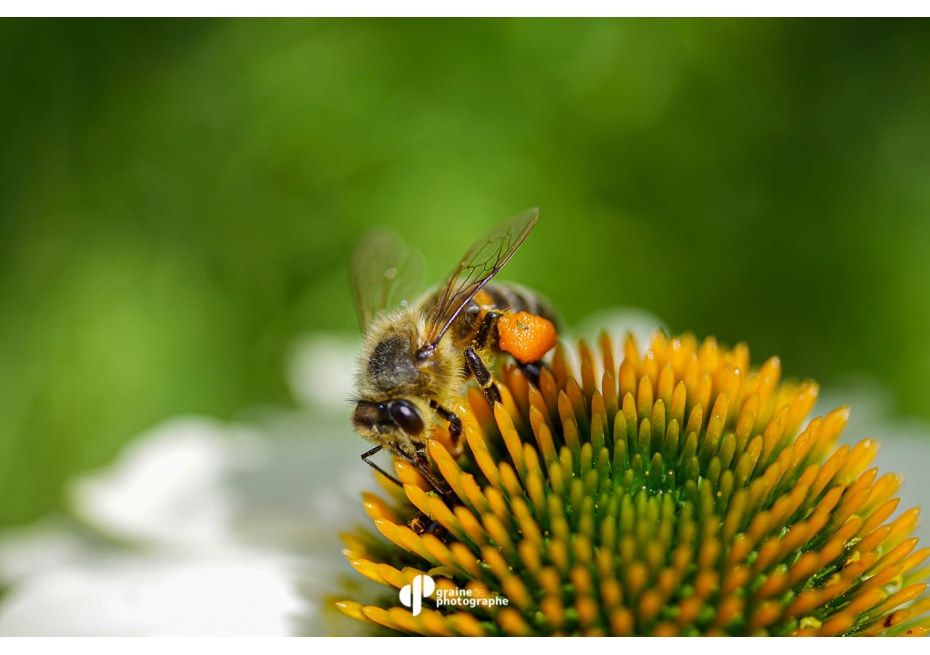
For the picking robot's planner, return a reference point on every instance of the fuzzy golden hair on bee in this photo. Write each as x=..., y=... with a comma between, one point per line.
x=386, y=363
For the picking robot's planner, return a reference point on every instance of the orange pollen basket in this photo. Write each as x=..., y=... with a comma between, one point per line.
x=526, y=336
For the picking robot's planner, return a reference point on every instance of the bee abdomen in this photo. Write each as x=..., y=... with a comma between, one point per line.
x=514, y=298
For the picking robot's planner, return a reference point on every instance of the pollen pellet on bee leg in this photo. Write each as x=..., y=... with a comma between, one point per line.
x=526, y=336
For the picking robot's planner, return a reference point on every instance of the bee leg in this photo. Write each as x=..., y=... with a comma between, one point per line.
x=484, y=330
x=532, y=371
x=420, y=462
x=491, y=393
x=422, y=465
x=375, y=451
x=455, y=423
x=437, y=530
x=422, y=524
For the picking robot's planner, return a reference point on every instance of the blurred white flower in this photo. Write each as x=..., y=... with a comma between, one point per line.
x=321, y=370
x=905, y=441
x=201, y=528
x=619, y=322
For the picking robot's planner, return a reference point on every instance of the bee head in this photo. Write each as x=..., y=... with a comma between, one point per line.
x=396, y=421
x=391, y=365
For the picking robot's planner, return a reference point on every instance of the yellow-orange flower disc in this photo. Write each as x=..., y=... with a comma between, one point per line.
x=672, y=493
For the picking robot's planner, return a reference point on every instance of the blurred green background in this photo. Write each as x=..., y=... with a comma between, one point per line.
x=179, y=199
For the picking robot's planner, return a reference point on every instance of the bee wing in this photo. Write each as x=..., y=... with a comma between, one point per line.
x=483, y=260
x=384, y=272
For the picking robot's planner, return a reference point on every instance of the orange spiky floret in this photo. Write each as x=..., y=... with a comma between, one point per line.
x=674, y=493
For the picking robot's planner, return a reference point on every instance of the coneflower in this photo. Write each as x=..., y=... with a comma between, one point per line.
x=674, y=492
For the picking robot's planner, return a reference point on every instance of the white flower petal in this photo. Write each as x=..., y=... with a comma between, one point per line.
x=166, y=487
x=29, y=550
x=223, y=595
x=904, y=441
x=619, y=322
x=321, y=370
x=235, y=532
x=307, y=490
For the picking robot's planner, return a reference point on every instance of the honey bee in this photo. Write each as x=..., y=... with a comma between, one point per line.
x=417, y=355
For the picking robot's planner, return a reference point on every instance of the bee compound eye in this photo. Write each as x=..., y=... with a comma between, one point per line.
x=407, y=417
